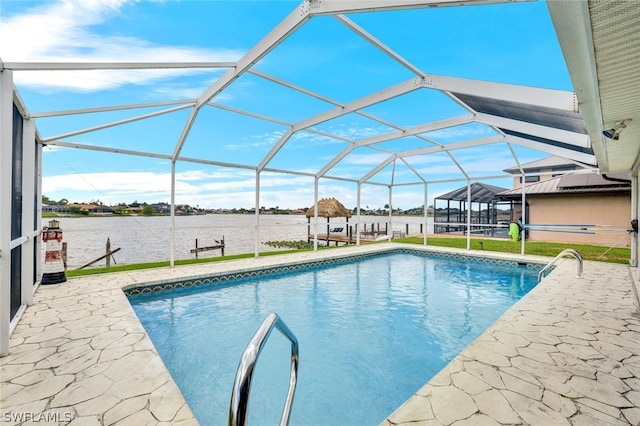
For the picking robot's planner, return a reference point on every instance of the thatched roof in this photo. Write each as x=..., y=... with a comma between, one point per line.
x=329, y=207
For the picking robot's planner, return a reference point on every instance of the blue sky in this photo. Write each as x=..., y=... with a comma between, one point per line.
x=510, y=43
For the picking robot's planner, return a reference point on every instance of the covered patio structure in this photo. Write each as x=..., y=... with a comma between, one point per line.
x=477, y=207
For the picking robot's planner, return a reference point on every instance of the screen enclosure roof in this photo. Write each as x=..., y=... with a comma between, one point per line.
x=432, y=126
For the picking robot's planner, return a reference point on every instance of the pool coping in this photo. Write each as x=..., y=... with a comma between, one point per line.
x=79, y=355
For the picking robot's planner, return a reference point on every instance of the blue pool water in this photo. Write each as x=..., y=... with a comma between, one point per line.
x=371, y=333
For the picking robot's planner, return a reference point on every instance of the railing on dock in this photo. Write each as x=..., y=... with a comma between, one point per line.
x=238, y=409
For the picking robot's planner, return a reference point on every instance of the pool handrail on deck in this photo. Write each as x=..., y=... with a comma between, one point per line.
x=239, y=406
x=563, y=253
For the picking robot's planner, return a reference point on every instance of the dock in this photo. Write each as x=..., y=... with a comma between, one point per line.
x=219, y=245
x=365, y=237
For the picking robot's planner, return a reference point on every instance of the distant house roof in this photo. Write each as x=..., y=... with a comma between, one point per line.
x=572, y=184
x=480, y=193
x=544, y=163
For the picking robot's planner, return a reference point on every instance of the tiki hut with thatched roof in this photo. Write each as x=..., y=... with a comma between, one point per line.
x=329, y=207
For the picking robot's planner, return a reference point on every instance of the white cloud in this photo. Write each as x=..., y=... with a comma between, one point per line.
x=63, y=31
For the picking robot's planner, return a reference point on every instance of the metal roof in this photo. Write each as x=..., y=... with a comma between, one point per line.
x=543, y=163
x=574, y=183
x=600, y=41
x=480, y=193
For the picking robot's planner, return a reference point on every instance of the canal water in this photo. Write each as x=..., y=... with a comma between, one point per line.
x=147, y=238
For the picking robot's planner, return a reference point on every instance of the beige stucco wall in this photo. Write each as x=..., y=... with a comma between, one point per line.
x=597, y=209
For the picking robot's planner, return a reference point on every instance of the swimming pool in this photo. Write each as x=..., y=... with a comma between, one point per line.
x=372, y=331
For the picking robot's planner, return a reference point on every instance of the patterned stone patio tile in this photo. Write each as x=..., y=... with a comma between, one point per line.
x=63, y=357
x=539, y=369
x=570, y=333
x=105, y=339
x=51, y=332
x=81, y=391
x=86, y=421
x=558, y=387
x=535, y=353
x=516, y=384
x=7, y=389
x=13, y=415
x=36, y=355
x=443, y=378
x=598, y=416
x=574, y=365
x=80, y=364
x=124, y=409
x=137, y=384
x=450, y=404
x=8, y=372
x=493, y=404
x=633, y=383
x=612, y=382
x=145, y=362
x=582, y=352
x=417, y=408
x=487, y=356
x=33, y=377
x=598, y=391
x=633, y=397
x=185, y=416
x=559, y=403
x=97, y=405
x=511, y=339
x=523, y=375
x=477, y=420
x=534, y=412
x=142, y=417
x=485, y=373
x=489, y=343
x=40, y=391
x=612, y=323
x=468, y=383
x=610, y=350
x=127, y=340
x=622, y=342
x=20, y=350
x=632, y=415
x=165, y=402
x=536, y=336
x=612, y=367
x=112, y=354
x=84, y=333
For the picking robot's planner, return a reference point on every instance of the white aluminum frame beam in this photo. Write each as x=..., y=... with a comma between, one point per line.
x=366, y=101
x=553, y=150
x=332, y=7
x=115, y=123
x=577, y=139
x=292, y=22
x=6, y=167
x=110, y=108
x=92, y=66
x=424, y=128
x=534, y=96
x=572, y=22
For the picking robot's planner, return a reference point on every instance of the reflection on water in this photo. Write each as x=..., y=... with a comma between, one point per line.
x=371, y=332
x=148, y=239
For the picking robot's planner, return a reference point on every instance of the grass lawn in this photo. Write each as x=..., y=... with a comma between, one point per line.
x=588, y=252
x=538, y=248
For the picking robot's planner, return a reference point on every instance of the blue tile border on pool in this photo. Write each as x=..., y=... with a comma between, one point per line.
x=230, y=276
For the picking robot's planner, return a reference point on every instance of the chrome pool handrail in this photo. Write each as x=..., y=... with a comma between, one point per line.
x=563, y=253
x=238, y=409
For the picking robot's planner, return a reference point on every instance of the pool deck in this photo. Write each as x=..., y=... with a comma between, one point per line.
x=567, y=353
